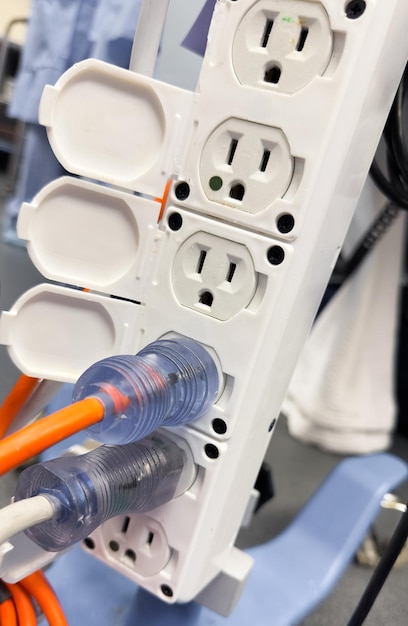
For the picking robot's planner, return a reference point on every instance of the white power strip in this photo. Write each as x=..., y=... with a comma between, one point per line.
x=267, y=160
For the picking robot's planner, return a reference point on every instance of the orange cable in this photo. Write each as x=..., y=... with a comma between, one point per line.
x=38, y=586
x=24, y=607
x=35, y=438
x=8, y=616
x=15, y=400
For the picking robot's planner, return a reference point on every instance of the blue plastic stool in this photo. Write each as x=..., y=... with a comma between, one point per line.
x=292, y=574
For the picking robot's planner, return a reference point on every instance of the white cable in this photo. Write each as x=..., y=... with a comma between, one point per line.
x=23, y=514
x=147, y=39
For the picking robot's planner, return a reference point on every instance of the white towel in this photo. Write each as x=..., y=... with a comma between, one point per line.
x=341, y=396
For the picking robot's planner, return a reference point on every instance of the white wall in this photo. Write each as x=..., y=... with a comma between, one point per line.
x=9, y=10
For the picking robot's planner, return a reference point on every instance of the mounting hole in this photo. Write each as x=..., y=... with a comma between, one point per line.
x=271, y=425
x=276, y=255
x=212, y=451
x=215, y=183
x=167, y=591
x=272, y=74
x=175, y=221
x=219, y=426
x=355, y=9
x=237, y=191
x=286, y=223
x=114, y=546
x=182, y=191
x=89, y=543
x=206, y=298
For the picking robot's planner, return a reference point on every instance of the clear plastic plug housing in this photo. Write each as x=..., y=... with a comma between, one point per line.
x=170, y=382
x=89, y=489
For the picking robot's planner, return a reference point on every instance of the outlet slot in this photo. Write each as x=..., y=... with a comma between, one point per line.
x=231, y=272
x=125, y=525
x=266, y=33
x=150, y=538
x=201, y=261
x=237, y=192
x=272, y=74
x=206, y=298
x=304, y=31
x=232, y=151
x=265, y=160
x=130, y=557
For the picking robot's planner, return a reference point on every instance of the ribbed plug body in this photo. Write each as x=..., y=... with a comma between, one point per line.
x=170, y=382
x=89, y=489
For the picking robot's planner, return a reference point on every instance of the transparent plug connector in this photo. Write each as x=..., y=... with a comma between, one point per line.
x=170, y=382
x=89, y=489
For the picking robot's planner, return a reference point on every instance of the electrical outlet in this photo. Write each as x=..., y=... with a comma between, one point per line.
x=214, y=276
x=137, y=542
x=282, y=44
x=246, y=165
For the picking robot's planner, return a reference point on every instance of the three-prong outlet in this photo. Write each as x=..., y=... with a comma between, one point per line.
x=136, y=542
x=282, y=45
x=246, y=165
x=214, y=276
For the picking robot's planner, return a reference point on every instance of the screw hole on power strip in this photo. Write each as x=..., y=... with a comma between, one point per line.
x=175, y=221
x=182, y=191
x=212, y=451
x=275, y=255
x=355, y=9
x=286, y=223
x=167, y=591
x=219, y=426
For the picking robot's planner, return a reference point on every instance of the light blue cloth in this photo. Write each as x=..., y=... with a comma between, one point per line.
x=61, y=33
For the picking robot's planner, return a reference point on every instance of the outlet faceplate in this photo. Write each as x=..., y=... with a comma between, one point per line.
x=246, y=165
x=214, y=276
x=282, y=45
x=137, y=542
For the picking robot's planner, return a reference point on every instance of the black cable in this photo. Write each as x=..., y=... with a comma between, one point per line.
x=381, y=572
x=4, y=593
x=392, y=182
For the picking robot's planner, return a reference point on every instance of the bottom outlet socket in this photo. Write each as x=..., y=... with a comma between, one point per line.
x=137, y=542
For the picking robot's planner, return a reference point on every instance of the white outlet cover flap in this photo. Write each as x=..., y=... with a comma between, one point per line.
x=73, y=330
x=113, y=125
x=90, y=236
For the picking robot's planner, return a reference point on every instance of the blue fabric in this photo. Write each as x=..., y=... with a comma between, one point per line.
x=61, y=33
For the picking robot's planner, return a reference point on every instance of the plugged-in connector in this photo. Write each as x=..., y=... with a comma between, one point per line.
x=169, y=382
x=86, y=491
